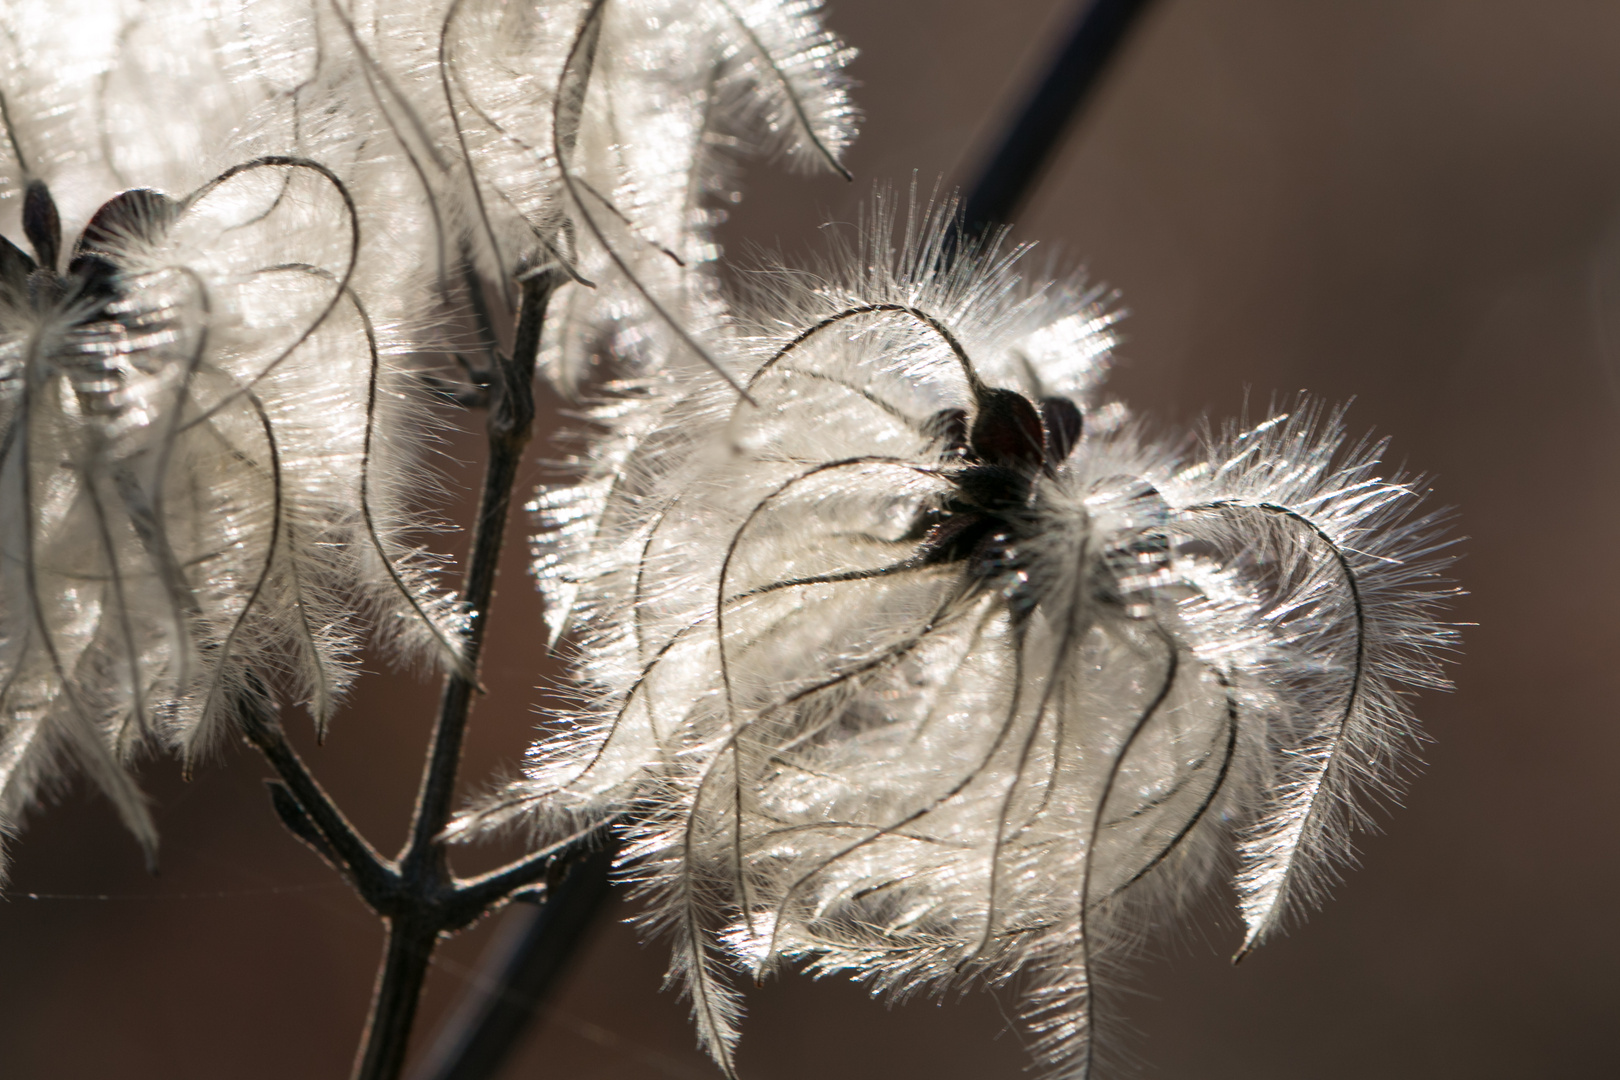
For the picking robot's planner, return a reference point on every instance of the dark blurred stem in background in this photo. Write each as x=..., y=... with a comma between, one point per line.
x=531, y=947
x=1011, y=172
x=535, y=941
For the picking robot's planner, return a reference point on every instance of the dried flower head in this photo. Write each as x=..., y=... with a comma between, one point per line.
x=203, y=462
x=586, y=133
x=924, y=664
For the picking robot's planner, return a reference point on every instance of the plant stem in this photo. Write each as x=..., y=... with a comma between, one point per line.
x=519, y=970
x=510, y=424
x=399, y=989
x=426, y=903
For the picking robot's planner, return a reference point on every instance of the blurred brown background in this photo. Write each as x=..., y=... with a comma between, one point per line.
x=1414, y=203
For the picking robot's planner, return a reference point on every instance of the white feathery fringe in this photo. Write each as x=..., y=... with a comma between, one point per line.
x=929, y=667
x=583, y=133
x=207, y=437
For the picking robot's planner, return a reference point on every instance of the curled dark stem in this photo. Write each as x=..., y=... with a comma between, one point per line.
x=975, y=384
x=797, y=105
x=352, y=214
x=720, y=638
x=1051, y=684
x=1335, y=732
x=484, y=224
x=564, y=131
x=961, y=784
x=276, y=524
x=1198, y=816
x=381, y=88
x=11, y=136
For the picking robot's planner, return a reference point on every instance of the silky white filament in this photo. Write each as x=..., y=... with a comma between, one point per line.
x=924, y=664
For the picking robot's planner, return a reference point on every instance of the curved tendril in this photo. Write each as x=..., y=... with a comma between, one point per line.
x=1051, y=682
x=373, y=73
x=586, y=29
x=975, y=384
x=864, y=826
x=787, y=90
x=891, y=655
x=370, y=64
x=194, y=364
x=1172, y=666
x=95, y=753
x=563, y=262
x=372, y=534
x=11, y=136
x=278, y=161
x=888, y=407
x=720, y=629
x=466, y=154
x=132, y=653
x=636, y=230
x=991, y=611
x=1204, y=807
x=274, y=461
x=1013, y=709
x=1358, y=664
x=104, y=132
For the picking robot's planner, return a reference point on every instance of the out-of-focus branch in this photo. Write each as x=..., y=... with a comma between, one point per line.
x=1011, y=172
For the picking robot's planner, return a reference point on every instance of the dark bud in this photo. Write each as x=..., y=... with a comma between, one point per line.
x=958, y=537
x=1064, y=426
x=949, y=427
x=96, y=277
x=995, y=488
x=297, y=821
x=42, y=224
x=1007, y=432
x=139, y=214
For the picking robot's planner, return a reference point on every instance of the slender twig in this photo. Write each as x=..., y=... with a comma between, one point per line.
x=430, y=901
x=518, y=875
x=374, y=877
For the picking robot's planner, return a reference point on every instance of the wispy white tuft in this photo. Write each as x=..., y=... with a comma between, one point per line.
x=591, y=134
x=795, y=88
x=926, y=665
x=1350, y=566
x=209, y=430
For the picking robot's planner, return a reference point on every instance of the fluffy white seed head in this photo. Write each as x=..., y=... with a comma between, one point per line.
x=928, y=666
x=208, y=430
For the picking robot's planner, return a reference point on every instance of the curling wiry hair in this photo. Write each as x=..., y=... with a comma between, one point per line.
x=924, y=663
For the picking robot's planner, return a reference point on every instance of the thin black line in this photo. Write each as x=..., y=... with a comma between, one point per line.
x=1012, y=171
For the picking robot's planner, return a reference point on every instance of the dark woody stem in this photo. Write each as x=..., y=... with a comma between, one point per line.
x=417, y=895
x=431, y=893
